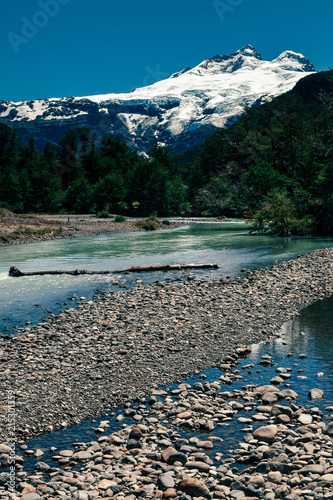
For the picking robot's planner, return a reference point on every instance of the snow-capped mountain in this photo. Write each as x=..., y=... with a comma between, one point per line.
x=178, y=111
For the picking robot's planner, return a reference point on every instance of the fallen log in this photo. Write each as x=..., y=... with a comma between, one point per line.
x=172, y=267
x=16, y=273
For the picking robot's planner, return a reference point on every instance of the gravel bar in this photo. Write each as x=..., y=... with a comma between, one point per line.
x=84, y=362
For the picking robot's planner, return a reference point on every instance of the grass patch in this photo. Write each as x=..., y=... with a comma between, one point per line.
x=34, y=232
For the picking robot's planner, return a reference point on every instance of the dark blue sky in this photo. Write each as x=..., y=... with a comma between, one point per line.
x=55, y=48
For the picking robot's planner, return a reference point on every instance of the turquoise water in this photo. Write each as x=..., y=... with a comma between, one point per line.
x=30, y=299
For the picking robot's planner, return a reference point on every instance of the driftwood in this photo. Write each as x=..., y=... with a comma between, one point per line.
x=16, y=273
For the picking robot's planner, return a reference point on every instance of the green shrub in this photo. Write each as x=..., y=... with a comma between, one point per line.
x=103, y=214
x=166, y=222
x=119, y=218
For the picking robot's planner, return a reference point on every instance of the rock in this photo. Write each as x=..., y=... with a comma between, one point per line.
x=282, y=419
x=266, y=433
x=82, y=495
x=278, y=409
x=66, y=453
x=170, y=493
x=200, y=466
x=206, y=445
x=4, y=477
x=305, y=419
x=176, y=457
x=269, y=398
x=277, y=380
x=327, y=477
x=185, y=415
x=31, y=496
x=257, y=480
x=316, y=394
x=165, y=481
x=198, y=407
x=135, y=434
x=312, y=469
x=266, y=388
x=41, y=466
x=28, y=488
x=168, y=452
x=194, y=487
x=105, y=484
x=329, y=429
x=81, y=456
x=4, y=449
x=288, y=393
x=133, y=444
x=122, y=352
x=275, y=476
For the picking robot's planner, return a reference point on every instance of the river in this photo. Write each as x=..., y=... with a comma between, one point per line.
x=31, y=299
x=28, y=299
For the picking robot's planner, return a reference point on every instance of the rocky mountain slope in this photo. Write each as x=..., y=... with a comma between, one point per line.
x=179, y=111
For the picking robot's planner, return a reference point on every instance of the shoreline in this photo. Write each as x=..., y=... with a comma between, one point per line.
x=287, y=448
x=85, y=362
x=20, y=229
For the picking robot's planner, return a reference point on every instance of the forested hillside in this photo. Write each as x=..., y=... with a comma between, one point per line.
x=274, y=165
x=82, y=177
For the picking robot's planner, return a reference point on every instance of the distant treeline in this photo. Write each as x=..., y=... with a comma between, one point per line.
x=275, y=165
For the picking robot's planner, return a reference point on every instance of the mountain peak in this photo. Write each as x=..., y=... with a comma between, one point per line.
x=246, y=56
x=249, y=51
x=294, y=61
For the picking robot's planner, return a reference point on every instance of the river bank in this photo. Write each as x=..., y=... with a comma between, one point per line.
x=249, y=428
x=18, y=229
x=123, y=346
x=86, y=361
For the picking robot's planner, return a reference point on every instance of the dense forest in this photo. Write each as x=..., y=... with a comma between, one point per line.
x=275, y=166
